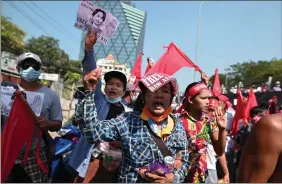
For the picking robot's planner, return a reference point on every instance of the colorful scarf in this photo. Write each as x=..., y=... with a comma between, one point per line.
x=167, y=124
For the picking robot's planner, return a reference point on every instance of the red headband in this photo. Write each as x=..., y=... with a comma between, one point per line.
x=195, y=90
x=191, y=93
x=213, y=103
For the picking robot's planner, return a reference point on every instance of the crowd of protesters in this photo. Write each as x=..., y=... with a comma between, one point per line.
x=151, y=141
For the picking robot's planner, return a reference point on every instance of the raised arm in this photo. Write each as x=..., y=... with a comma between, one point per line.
x=219, y=132
x=261, y=151
x=94, y=130
x=89, y=63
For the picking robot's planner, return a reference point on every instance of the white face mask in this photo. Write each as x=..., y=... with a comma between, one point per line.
x=113, y=100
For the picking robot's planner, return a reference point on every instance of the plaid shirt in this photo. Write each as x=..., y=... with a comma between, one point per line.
x=31, y=168
x=138, y=148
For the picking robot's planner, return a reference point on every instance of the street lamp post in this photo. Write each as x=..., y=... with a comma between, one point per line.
x=198, y=27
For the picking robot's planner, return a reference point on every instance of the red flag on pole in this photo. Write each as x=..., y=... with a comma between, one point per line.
x=252, y=102
x=136, y=70
x=253, y=98
x=18, y=130
x=239, y=114
x=172, y=60
x=216, y=84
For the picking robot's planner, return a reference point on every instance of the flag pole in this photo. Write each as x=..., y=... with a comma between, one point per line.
x=197, y=39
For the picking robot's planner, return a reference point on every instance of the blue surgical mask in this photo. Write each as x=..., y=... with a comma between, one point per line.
x=113, y=100
x=30, y=74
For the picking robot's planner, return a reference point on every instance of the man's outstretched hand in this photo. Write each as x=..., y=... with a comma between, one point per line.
x=91, y=79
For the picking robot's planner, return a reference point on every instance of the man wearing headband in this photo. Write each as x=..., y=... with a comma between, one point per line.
x=201, y=130
x=261, y=160
x=139, y=131
x=109, y=106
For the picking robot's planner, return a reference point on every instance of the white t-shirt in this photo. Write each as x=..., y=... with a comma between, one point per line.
x=211, y=157
x=229, y=143
x=230, y=115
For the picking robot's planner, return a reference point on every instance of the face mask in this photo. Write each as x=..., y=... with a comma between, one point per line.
x=113, y=100
x=30, y=74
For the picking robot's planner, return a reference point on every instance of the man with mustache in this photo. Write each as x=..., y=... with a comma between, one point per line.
x=139, y=132
x=109, y=106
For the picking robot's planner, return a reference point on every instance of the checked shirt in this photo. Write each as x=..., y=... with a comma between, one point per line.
x=138, y=148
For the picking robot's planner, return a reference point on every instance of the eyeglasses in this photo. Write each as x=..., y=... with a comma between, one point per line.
x=34, y=66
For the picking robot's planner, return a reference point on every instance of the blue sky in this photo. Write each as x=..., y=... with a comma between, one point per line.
x=230, y=32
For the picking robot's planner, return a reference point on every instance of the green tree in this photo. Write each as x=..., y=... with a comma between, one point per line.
x=54, y=59
x=255, y=73
x=71, y=77
x=12, y=37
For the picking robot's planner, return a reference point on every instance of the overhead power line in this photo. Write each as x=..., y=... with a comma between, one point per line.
x=50, y=18
x=51, y=23
x=27, y=16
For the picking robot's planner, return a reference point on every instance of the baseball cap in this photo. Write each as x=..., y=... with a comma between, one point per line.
x=28, y=55
x=116, y=74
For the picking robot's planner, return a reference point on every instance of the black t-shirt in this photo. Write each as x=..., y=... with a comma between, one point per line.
x=115, y=110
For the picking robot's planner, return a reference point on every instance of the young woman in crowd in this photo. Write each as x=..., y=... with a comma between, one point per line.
x=201, y=130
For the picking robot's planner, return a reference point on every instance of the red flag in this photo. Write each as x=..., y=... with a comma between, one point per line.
x=216, y=84
x=18, y=130
x=252, y=102
x=172, y=60
x=239, y=114
x=253, y=99
x=136, y=70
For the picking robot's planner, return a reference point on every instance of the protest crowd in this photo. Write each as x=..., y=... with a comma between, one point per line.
x=133, y=132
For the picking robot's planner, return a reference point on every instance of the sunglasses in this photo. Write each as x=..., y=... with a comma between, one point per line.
x=34, y=66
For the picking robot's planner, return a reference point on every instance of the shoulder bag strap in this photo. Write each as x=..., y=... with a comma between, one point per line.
x=159, y=142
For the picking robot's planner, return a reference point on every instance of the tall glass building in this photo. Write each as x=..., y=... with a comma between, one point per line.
x=128, y=39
